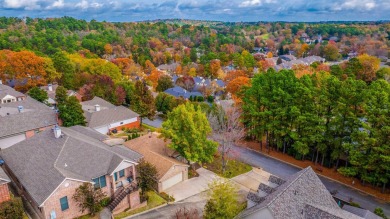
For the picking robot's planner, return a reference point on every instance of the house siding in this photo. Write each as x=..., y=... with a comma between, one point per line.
x=4, y=193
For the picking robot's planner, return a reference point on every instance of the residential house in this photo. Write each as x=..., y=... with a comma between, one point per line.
x=287, y=58
x=21, y=116
x=300, y=196
x=167, y=68
x=155, y=151
x=180, y=92
x=4, y=189
x=105, y=117
x=48, y=168
x=51, y=92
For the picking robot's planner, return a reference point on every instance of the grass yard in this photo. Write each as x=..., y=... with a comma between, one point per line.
x=154, y=200
x=265, y=36
x=233, y=167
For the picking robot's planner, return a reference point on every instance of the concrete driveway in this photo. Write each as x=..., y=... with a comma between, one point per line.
x=192, y=186
x=252, y=179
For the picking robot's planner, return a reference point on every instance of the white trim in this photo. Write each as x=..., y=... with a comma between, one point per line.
x=120, y=164
x=41, y=205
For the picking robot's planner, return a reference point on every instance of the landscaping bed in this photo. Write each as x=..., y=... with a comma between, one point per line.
x=154, y=200
x=233, y=167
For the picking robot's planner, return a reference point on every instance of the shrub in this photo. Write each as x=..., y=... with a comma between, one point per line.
x=105, y=201
x=12, y=209
x=167, y=197
x=354, y=204
x=380, y=213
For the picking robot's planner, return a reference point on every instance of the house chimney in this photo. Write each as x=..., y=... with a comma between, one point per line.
x=20, y=109
x=97, y=107
x=50, y=87
x=57, y=131
x=1, y=81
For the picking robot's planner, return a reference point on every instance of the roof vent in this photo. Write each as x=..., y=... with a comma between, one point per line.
x=97, y=107
x=57, y=131
x=20, y=109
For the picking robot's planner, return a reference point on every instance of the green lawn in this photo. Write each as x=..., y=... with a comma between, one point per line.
x=154, y=200
x=233, y=167
x=265, y=36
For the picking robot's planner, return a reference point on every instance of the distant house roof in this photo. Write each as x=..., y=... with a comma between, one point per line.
x=33, y=115
x=52, y=93
x=288, y=57
x=42, y=162
x=302, y=193
x=3, y=177
x=168, y=67
x=311, y=59
x=155, y=151
x=361, y=212
x=6, y=90
x=108, y=113
x=177, y=91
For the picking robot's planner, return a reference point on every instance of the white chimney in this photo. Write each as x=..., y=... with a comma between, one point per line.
x=1, y=81
x=57, y=131
x=97, y=107
x=50, y=87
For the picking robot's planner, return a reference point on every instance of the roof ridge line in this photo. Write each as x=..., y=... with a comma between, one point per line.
x=55, y=162
x=288, y=186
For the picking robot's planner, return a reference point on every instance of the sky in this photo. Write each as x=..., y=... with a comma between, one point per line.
x=216, y=10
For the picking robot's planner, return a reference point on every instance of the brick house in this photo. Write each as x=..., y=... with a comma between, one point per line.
x=4, y=190
x=105, y=117
x=48, y=167
x=21, y=117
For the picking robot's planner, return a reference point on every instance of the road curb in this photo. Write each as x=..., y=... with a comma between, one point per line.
x=296, y=166
x=143, y=212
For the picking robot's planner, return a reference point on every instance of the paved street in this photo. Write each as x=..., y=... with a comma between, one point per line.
x=157, y=122
x=283, y=170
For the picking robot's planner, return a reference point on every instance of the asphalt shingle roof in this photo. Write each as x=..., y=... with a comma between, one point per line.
x=33, y=116
x=291, y=198
x=6, y=90
x=108, y=113
x=366, y=214
x=3, y=177
x=42, y=162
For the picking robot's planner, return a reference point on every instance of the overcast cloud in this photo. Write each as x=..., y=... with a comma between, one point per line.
x=232, y=10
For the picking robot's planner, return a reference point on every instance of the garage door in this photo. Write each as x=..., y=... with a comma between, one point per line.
x=172, y=181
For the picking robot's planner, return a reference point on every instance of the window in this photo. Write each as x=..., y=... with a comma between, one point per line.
x=64, y=203
x=121, y=173
x=100, y=182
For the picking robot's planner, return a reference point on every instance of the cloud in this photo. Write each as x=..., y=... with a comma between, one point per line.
x=83, y=5
x=21, y=4
x=364, y=5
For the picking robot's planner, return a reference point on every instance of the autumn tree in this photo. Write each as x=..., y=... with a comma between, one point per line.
x=188, y=128
x=227, y=129
x=154, y=77
x=331, y=51
x=370, y=65
x=235, y=85
x=186, y=82
x=143, y=101
x=165, y=103
x=89, y=198
x=149, y=67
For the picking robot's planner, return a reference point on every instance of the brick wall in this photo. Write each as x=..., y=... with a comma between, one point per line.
x=4, y=193
x=67, y=188
x=130, y=125
x=31, y=133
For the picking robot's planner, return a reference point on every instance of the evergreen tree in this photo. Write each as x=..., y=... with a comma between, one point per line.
x=38, y=94
x=71, y=112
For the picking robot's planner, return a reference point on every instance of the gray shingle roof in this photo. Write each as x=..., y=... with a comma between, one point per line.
x=361, y=212
x=177, y=91
x=34, y=115
x=108, y=113
x=42, y=162
x=6, y=90
x=290, y=198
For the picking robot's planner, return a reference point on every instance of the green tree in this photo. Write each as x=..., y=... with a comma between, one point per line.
x=223, y=201
x=38, y=94
x=61, y=95
x=165, y=103
x=379, y=212
x=71, y=112
x=188, y=128
x=89, y=198
x=164, y=83
x=63, y=65
x=12, y=209
x=147, y=176
x=143, y=101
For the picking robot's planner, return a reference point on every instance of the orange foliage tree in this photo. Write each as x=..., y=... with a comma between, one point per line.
x=370, y=65
x=154, y=76
x=236, y=84
x=301, y=70
x=231, y=75
x=215, y=65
